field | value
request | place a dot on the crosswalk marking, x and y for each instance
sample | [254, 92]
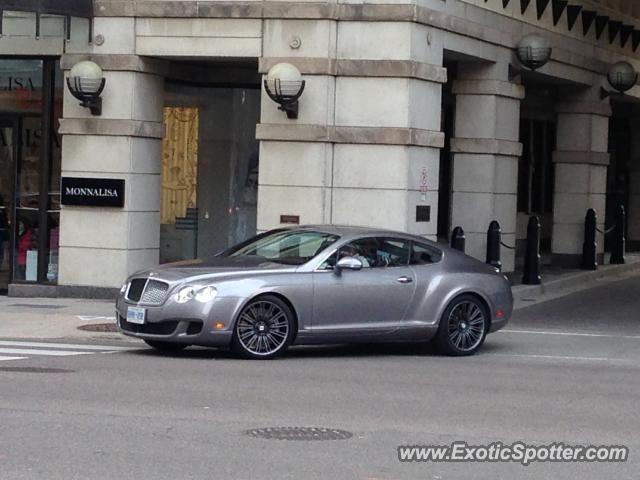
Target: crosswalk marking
[17, 350]
[76, 346]
[49, 353]
[11, 358]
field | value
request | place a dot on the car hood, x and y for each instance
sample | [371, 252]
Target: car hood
[214, 267]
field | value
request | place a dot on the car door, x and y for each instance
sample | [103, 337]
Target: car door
[374, 297]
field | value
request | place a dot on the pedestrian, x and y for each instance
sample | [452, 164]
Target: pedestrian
[26, 242]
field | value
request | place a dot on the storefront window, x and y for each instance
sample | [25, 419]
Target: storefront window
[30, 205]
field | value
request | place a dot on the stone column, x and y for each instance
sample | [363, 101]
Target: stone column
[368, 134]
[99, 247]
[486, 151]
[581, 161]
[633, 209]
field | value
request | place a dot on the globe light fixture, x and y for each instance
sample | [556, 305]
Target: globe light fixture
[86, 82]
[284, 85]
[622, 76]
[533, 51]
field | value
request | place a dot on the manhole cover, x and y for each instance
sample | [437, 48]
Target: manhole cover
[34, 370]
[99, 327]
[299, 433]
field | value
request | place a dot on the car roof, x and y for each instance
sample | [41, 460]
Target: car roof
[347, 231]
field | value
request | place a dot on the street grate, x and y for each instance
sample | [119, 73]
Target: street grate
[299, 433]
[99, 327]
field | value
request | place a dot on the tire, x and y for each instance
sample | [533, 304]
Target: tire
[463, 327]
[264, 328]
[166, 346]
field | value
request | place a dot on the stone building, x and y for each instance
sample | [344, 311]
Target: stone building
[416, 116]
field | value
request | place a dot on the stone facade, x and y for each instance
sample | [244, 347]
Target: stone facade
[370, 119]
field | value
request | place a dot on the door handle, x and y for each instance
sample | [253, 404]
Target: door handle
[405, 280]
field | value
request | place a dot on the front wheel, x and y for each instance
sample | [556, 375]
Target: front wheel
[264, 329]
[463, 326]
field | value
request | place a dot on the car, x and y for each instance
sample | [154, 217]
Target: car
[318, 284]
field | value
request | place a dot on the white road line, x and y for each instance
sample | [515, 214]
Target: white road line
[50, 353]
[571, 334]
[74, 346]
[2, 359]
[552, 357]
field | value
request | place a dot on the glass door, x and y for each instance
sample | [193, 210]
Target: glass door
[8, 154]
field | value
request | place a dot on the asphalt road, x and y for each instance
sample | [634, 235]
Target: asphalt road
[564, 371]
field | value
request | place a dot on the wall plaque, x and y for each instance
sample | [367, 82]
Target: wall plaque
[92, 192]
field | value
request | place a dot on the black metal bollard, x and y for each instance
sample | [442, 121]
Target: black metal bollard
[493, 245]
[458, 239]
[590, 246]
[531, 274]
[618, 241]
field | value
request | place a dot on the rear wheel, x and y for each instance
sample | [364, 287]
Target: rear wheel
[463, 326]
[264, 329]
[166, 346]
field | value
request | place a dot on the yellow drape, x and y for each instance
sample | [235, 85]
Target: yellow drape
[179, 162]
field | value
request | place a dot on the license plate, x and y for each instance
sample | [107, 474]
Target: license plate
[136, 315]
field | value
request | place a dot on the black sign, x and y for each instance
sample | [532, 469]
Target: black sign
[423, 213]
[92, 192]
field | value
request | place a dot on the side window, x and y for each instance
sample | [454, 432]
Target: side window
[422, 254]
[392, 252]
[329, 263]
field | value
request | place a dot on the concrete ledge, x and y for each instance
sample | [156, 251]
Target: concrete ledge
[489, 87]
[486, 146]
[354, 135]
[589, 158]
[123, 63]
[585, 108]
[108, 126]
[361, 68]
[61, 291]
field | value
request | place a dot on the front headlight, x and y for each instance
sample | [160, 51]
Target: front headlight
[185, 294]
[206, 294]
[123, 288]
[201, 294]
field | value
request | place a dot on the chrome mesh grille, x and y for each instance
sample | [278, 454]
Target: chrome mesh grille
[154, 293]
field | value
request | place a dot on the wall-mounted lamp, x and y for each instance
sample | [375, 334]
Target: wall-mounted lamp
[86, 82]
[533, 51]
[621, 76]
[284, 85]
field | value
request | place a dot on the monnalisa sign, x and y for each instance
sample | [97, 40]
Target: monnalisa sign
[92, 192]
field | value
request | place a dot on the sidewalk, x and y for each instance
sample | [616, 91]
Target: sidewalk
[59, 318]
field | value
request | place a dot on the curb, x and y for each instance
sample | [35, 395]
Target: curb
[569, 283]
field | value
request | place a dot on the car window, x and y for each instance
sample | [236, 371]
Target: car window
[290, 246]
[392, 252]
[373, 252]
[422, 254]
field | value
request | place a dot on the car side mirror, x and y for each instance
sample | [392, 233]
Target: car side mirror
[348, 263]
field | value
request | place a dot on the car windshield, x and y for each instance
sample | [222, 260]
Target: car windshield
[292, 247]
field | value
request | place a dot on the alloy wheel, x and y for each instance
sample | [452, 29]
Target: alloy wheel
[466, 326]
[263, 328]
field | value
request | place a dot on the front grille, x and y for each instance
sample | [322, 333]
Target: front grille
[160, 328]
[136, 288]
[155, 292]
[147, 291]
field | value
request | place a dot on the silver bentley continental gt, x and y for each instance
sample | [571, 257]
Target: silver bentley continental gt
[319, 284]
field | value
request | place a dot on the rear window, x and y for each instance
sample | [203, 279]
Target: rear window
[423, 254]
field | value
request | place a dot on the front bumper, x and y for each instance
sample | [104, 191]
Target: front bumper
[191, 323]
